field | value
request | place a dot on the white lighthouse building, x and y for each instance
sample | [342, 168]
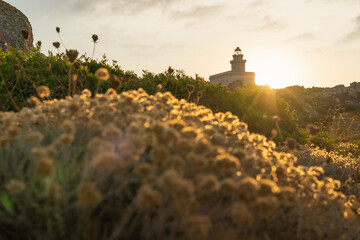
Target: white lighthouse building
[237, 75]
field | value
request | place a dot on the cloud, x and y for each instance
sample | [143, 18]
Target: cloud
[355, 34]
[303, 37]
[258, 3]
[197, 12]
[121, 6]
[268, 23]
[150, 49]
[174, 9]
[344, 1]
[349, 52]
[337, 1]
[315, 51]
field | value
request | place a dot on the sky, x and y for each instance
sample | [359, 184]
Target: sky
[293, 42]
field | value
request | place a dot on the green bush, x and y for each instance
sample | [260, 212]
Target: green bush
[325, 141]
[255, 105]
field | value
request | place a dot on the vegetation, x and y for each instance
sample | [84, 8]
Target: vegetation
[139, 166]
[90, 151]
[294, 107]
[23, 73]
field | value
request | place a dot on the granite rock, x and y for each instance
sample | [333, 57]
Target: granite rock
[15, 28]
[351, 92]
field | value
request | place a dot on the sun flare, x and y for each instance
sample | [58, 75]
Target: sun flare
[276, 71]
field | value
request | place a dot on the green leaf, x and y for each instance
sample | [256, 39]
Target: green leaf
[7, 202]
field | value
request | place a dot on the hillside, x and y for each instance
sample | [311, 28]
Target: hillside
[334, 111]
[90, 151]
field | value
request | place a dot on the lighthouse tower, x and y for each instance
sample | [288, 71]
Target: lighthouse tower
[237, 73]
[238, 62]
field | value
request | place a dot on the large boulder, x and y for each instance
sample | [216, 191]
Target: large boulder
[355, 86]
[353, 91]
[15, 28]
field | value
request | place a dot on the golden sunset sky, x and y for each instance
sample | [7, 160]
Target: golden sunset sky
[285, 42]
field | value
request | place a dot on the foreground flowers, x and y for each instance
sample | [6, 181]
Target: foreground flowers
[135, 166]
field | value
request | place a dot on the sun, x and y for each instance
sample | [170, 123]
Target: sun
[275, 70]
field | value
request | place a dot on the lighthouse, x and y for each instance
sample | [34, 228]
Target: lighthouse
[237, 75]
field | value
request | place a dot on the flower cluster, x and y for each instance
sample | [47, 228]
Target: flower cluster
[136, 166]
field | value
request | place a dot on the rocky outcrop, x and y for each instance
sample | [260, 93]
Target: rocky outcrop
[355, 86]
[351, 92]
[15, 28]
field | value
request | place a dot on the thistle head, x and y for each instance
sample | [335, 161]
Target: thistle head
[115, 82]
[312, 129]
[95, 38]
[127, 77]
[45, 167]
[88, 194]
[102, 74]
[43, 91]
[329, 160]
[72, 55]
[276, 118]
[16, 67]
[170, 70]
[77, 65]
[290, 143]
[190, 88]
[15, 187]
[274, 133]
[56, 45]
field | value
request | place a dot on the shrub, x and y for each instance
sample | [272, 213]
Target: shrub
[255, 105]
[139, 166]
